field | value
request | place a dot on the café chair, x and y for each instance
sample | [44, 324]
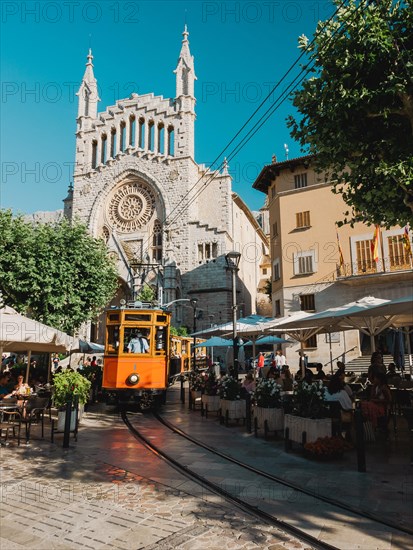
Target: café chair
[9, 422]
[34, 412]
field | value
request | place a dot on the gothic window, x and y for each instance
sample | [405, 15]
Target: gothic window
[94, 153]
[131, 207]
[122, 135]
[171, 141]
[132, 130]
[157, 242]
[113, 142]
[151, 135]
[161, 137]
[103, 153]
[105, 234]
[142, 133]
[86, 97]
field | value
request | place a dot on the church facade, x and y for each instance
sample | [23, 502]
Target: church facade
[167, 220]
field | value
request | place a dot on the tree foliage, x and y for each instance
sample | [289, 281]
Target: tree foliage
[56, 273]
[147, 294]
[357, 108]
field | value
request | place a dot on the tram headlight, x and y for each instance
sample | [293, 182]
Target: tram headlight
[133, 379]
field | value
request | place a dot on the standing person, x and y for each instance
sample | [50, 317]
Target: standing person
[93, 363]
[138, 344]
[280, 360]
[260, 363]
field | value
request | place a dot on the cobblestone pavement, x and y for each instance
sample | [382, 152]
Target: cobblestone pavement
[104, 492]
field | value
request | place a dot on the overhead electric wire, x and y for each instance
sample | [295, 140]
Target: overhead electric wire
[270, 111]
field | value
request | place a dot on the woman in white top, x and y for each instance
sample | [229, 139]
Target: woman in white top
[336, 392]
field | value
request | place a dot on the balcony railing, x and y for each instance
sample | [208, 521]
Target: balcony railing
[367, 267]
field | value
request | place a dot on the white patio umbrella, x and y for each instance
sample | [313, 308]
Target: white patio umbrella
[21, 334]
[369, 315]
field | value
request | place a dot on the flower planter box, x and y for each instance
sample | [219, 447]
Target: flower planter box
[61, 419]
[267, 419]
[210, 403]
[305, 430]
[232, 410]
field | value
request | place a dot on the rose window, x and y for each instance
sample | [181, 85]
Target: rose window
[131, 207]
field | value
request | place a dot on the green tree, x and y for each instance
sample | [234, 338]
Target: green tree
[147, 294]
[357, 108]
[57, 273]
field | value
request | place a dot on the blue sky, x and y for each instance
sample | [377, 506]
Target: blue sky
[241, 51]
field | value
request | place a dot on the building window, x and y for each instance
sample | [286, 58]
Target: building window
[310, 342]
[277, 308]
[207, 252]
[161, 138]
[300, 180]
[275, 229]
[142, 133]
[365, 262]
[276, 270]
[307, 302]
[171, 141]
[103, 153]
[151, 135]
[132, 130]
[264, 271]
[273, 192]
[302, 219]
[397, 252]
[113, 143]
[157, 242]
[94, 153]
[305, 263]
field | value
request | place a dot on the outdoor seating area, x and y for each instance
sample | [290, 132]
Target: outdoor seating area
[309, 418]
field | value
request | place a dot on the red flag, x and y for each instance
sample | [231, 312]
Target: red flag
[375, 244]
[407, 243]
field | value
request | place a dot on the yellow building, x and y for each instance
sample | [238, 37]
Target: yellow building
[308, 271]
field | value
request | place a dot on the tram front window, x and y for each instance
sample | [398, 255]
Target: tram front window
[136, 340]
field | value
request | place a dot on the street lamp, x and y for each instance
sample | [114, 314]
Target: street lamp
[233, 258]
[194, 301]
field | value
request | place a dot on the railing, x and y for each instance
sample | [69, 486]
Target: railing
[366, 267]
[343, 355]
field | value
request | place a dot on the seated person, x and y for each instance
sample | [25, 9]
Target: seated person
[287, 379]
[393, 377]
[4, 386]
[380, 399]
[321, 375]
[249, 383]
[138, 343]
[272, 373]
[336, 392]
[20, 388]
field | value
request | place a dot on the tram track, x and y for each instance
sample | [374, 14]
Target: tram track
[364, 514]
[226, 495]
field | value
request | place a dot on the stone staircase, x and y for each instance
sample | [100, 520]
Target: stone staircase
[361, 364]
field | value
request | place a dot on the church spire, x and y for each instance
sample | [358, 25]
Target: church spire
[88, 92]
[185, 73]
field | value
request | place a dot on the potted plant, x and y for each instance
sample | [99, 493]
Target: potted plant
[196, 386]
[210, 398]
[308, 420]
[232, 407]
[267, 411]
[67, 385]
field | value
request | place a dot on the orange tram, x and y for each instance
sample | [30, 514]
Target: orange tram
[141, 359]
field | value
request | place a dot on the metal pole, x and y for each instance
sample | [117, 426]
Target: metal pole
[234, 322]
[194, 342]
[68, 419]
